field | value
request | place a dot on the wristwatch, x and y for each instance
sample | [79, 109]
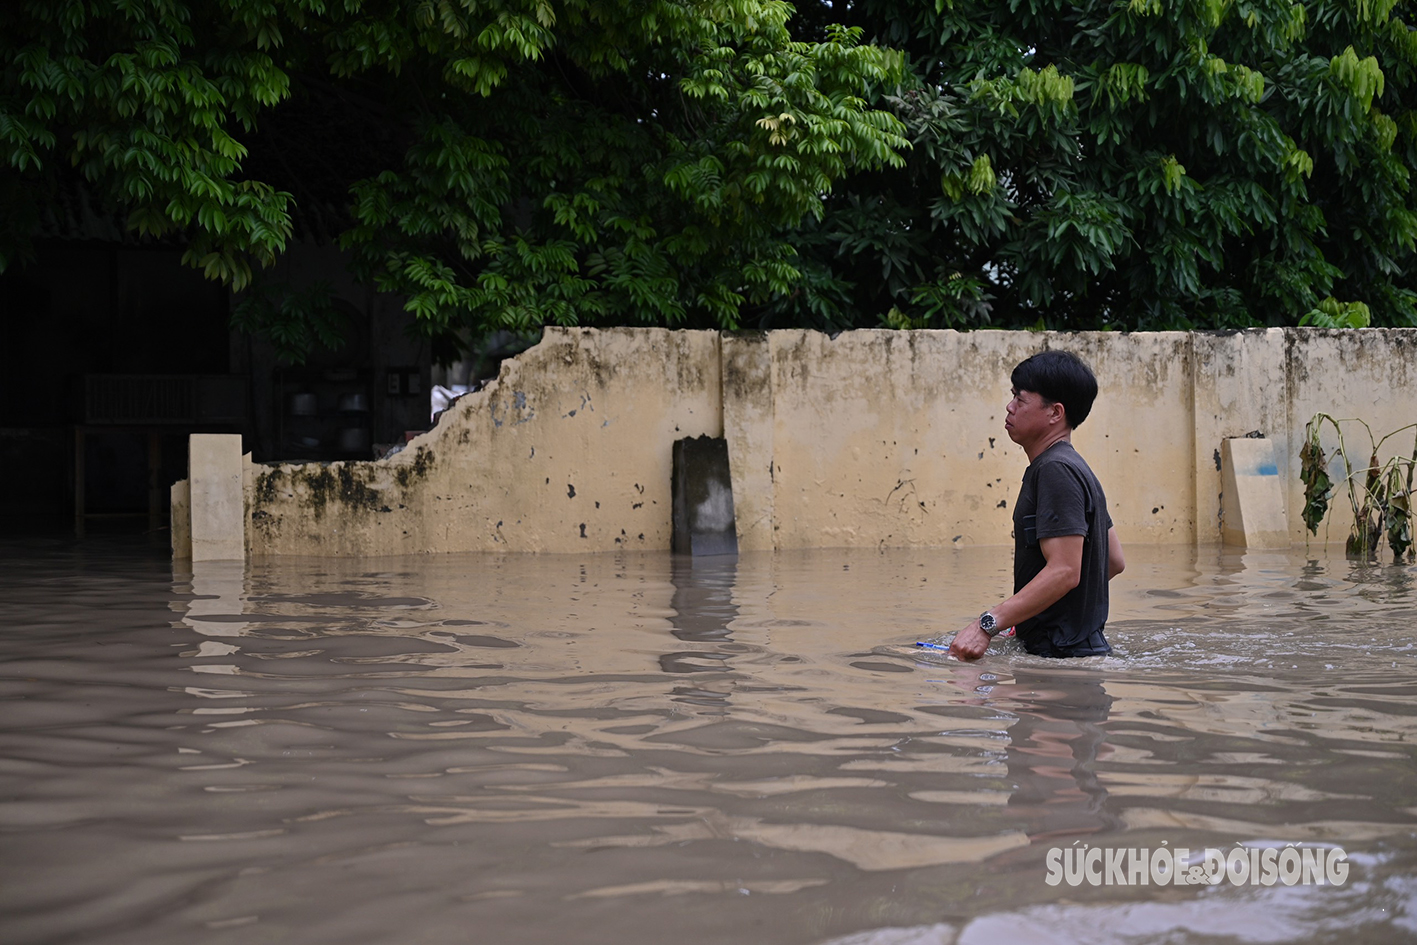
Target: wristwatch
[988, 624]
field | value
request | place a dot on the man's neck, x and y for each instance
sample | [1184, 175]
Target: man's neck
[1036, 450]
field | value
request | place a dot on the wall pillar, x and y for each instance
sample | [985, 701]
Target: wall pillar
[1241, 387]
[217, 503]
[181, 518]
[748, 423]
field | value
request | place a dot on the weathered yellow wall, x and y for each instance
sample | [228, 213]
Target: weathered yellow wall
[568, 450]
[872, 438]
[896, 438]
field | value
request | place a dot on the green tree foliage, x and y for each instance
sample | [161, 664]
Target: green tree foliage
[509, 163]
[146, 102]
[1130, 164]
[505, 163]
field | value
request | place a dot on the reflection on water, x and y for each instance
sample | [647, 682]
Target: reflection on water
[640, 747]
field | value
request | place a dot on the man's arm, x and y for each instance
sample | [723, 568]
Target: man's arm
[1116, 563]
[1061, 574]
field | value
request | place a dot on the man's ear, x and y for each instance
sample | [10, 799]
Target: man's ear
[1058, 412]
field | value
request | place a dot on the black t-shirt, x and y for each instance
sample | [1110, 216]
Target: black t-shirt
[1060, 496]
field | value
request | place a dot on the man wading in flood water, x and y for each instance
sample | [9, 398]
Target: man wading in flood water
[1065, 548]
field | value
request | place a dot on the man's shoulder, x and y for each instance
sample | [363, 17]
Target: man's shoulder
[1062, 453]
[1061, 462]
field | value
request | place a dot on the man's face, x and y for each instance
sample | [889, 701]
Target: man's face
[1028, 416]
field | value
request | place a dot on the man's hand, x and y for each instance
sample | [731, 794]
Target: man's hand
[970, 643]
[1063, 555]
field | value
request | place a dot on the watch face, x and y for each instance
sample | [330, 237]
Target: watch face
[986, 622]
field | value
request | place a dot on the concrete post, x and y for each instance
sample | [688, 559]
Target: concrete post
[748, 427]
[217, 507]
[1252, 504]
[181, 520]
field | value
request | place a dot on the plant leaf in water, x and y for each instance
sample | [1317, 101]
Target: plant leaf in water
[1374, 483]
[1368, 528]
[1399, 514]
[1363, 539]
[1317, 485]
[1383, 504]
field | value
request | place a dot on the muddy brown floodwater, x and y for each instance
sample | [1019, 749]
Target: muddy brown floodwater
[639, 748]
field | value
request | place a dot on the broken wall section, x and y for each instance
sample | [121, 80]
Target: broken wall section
[567, 450]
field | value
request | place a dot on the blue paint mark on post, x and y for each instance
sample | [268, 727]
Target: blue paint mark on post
[1268, 469]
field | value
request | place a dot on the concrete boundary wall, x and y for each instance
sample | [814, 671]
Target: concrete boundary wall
[876, 438]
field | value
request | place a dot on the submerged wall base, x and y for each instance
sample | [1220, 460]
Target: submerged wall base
[879, 438]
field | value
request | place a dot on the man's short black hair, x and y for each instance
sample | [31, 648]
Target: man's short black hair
[1059, 377]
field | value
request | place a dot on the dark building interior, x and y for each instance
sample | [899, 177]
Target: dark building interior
[114, 351]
